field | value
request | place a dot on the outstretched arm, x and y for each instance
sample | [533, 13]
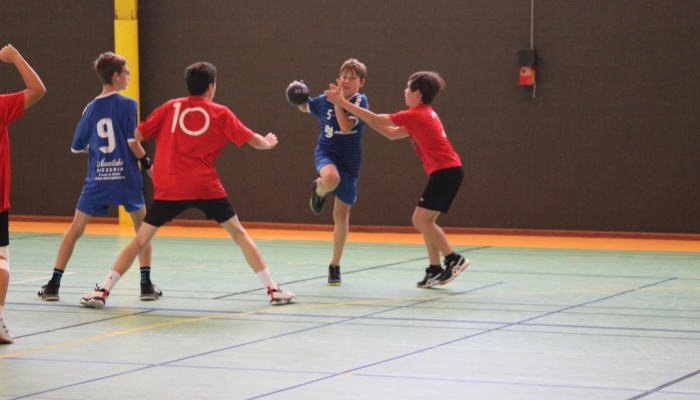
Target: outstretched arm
[391, 132]
[263, 143]
[35, 88]
[366, 115]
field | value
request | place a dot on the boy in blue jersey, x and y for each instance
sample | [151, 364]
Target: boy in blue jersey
[106, 132]
[338, 156]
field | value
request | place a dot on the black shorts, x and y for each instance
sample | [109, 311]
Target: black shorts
[4, 228]
[162, 211]
[442, 189]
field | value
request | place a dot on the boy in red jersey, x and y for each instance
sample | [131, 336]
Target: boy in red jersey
[190, 133]
[440, 162]
[12, 106]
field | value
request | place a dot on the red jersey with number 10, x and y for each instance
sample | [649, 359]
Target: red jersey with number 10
[428, 137]
[190, 133]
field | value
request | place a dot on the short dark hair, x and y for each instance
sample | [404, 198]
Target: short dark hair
[429, 83]
[106, 65]
[198, 77]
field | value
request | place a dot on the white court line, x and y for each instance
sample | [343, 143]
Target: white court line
[39, 278]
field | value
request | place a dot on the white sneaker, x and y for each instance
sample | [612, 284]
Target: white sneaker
[5, 335]
[280, 296]
[96, 298]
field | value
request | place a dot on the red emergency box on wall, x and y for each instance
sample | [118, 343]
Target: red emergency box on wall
[527, 59]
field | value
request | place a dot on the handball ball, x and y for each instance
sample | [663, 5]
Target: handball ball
[297, 93]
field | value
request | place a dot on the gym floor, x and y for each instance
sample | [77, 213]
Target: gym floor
[531, 318]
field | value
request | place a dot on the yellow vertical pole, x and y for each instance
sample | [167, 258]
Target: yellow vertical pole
[126, 44]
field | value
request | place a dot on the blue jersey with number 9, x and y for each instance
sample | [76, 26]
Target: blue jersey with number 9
[106, 127]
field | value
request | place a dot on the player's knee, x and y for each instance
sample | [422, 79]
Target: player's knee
[331, 181]
[141, 244]
[418, 222]
[341, 214]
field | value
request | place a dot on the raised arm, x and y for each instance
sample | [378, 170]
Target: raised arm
[263, 143]
[35, 88]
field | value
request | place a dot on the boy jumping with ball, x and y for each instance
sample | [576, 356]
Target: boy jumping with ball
[338, 155]
[440, 162]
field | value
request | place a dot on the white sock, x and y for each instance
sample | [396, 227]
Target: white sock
[110, 281]
[266, 279]
[2, 308]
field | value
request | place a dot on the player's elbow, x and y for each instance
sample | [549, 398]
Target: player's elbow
[33, 95]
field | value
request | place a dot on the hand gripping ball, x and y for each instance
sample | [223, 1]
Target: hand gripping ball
[297, 93]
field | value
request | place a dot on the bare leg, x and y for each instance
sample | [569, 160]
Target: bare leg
[250, 250]
[435, 238]
[341, 218]
[4, 284]
[328, 180]
[138, 245]
[75, 231]
[137, 217]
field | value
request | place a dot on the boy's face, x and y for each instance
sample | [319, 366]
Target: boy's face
[122, 78]
[412, 98]
[350, 83]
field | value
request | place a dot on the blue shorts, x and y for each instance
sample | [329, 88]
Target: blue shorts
[347, 188]
[91, 208]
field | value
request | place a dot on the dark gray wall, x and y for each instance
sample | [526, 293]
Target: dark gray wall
[608, 143]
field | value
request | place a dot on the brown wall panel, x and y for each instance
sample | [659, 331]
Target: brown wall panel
[609, 142]
[60, 40]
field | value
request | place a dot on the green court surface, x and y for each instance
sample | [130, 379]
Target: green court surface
[519, 323]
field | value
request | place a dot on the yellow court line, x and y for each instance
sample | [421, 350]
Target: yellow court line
[528, 241]
[302, 307]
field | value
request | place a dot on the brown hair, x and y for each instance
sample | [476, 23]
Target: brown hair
[106, 65]
[429, 83]
[356, 66]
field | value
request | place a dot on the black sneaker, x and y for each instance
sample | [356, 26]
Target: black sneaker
[453, 268]
[317, 201]
[334, 275]
[48, 292]
[150, 292]
[432, 277]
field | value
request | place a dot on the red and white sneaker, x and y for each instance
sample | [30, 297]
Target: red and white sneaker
[95, 298]
[5, 335]
[280, 296]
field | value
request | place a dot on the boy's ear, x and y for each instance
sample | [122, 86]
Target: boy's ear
[362, 83]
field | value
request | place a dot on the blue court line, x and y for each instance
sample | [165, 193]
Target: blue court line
[491, 382]
[665, 385]
[369, 317]
[457, 340]
[241, 345]
[383, 376]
